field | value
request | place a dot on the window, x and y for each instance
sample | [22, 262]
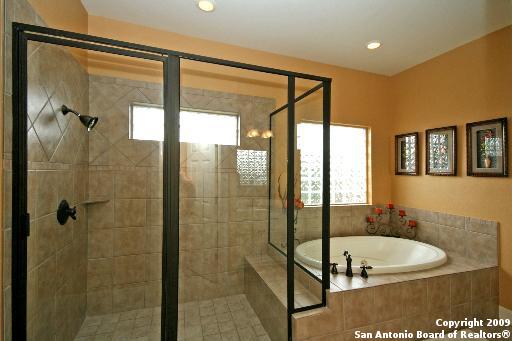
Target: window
[147, 123]
[251, 165]
[348, 164]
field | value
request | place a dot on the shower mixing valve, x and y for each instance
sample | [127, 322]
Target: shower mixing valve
[65, 211]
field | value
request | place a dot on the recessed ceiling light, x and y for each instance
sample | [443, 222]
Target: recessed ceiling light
[372, 45]
[206, 5]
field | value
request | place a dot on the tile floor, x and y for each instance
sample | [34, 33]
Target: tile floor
[228, 318]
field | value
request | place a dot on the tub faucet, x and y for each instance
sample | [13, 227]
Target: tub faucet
[364, 266]
[334, 269]
[348, 272]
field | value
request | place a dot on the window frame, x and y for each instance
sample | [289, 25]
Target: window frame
[194, 110]
[368, 161]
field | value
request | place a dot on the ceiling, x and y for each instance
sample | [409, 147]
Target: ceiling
[329, 31]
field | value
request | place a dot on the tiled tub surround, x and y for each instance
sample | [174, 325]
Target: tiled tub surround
[221, 221]
[470, 275]
[58, 168]
[473, 238]
[410, 305]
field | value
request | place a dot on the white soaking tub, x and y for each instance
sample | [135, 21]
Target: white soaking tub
[385, 254]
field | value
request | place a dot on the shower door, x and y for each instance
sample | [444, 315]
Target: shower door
[88, 187]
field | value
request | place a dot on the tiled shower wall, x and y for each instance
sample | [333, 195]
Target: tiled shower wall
[125, 218]
[58, 168]
[221, 220]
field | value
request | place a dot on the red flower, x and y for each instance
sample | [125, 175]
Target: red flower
[299, 204]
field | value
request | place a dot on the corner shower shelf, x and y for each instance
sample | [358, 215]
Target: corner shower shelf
[98, 200]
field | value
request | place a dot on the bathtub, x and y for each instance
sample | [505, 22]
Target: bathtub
[386, 254]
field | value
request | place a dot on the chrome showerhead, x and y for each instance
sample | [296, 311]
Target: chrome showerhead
[87, 121]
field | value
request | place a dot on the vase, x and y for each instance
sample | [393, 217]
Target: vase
[487, 162]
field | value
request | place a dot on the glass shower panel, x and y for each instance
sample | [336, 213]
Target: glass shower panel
[224, 267]
[96, 274]
[308, 192]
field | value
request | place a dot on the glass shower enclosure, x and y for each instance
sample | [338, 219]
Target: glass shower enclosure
[166, 196]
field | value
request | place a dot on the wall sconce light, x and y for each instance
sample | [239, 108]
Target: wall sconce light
[266, 134]
[253, 133]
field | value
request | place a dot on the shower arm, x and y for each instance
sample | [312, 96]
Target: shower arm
[65, 110]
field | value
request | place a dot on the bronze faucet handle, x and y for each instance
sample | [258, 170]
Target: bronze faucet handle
[334, 269]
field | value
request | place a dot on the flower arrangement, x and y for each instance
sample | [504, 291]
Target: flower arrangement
[298, 204]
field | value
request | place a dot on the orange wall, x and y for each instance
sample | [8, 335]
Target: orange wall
[65, 15]
[358, 98]
[470, 83]
[62, 14]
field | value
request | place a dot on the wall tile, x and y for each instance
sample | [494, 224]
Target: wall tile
[460, 288]
[129, 241]
[428, 232]
[452, 239]
[482, 226]
[481, 284]
[99, 302]
[438, 297]
[128, 298]
[414, 298]
[130, 212]
[452, 220]
[154, 266]
[101, 184]
[99, 273]
[131, 184]
[388, 302]
[129, 269]
[482, 248]
[101, 243]
[101, 215]
[358, 306]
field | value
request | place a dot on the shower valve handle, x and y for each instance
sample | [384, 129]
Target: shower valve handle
[65, 211]
[72, 212]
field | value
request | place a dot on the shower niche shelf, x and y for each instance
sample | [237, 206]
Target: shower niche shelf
[99, 200]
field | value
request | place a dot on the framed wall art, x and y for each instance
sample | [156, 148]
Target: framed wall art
[406, 154]
[441, 151]
[487, 148]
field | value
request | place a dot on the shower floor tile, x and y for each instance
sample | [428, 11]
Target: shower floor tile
[225, 318]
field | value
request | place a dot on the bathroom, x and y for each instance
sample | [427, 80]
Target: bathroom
[122, 221]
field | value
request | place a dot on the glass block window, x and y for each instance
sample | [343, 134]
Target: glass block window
[251, 165]
[349, 171]
[147, 123]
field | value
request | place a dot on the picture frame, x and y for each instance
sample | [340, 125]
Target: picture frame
[487, 152]
[407, 154]
[441, 151]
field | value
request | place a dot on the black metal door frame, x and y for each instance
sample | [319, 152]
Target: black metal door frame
[22, 34]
